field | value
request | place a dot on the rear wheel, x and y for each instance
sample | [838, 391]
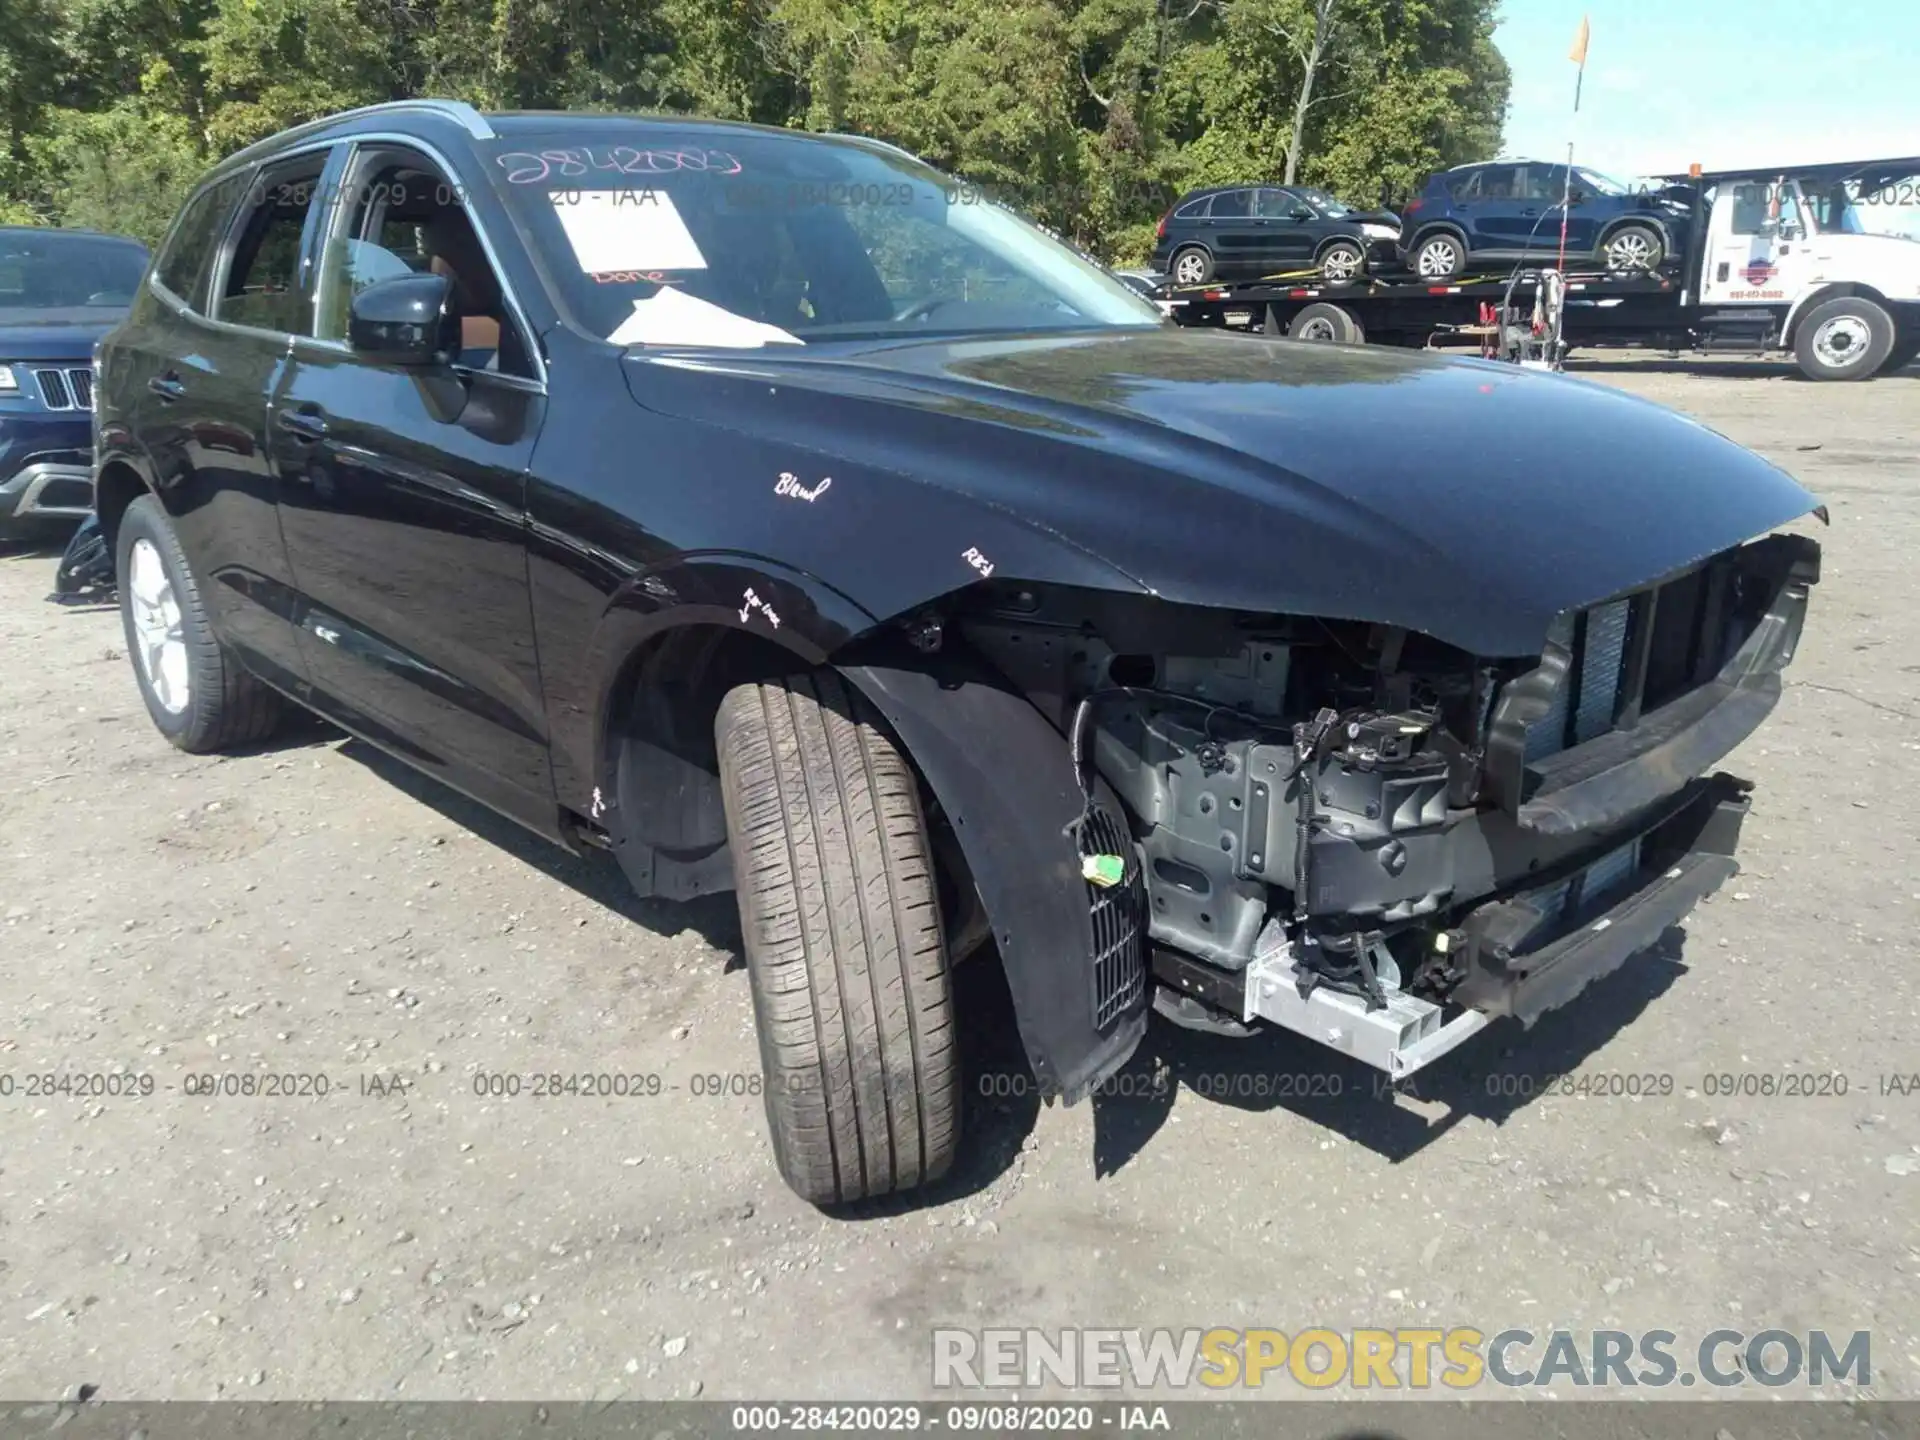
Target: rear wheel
[199, 696]
[1343, 260]
[1191, 265]
[1845, 339]
[1440, 257]
[846, 958]
[1633, 249]
[1328, 324]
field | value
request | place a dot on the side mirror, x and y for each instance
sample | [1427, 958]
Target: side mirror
[1576, 196]
[407, 320]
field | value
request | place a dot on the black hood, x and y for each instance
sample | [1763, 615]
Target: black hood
[1469, 500]
[65, 335]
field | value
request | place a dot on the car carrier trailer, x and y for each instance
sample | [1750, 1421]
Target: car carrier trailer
[1777, 261]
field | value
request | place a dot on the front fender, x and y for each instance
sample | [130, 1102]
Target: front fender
[1002, 774]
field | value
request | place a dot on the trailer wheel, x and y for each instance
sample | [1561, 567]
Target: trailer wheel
[1327, 324]
[1634, 248]
[1191, 265]
[1441, 256]
[1845, 339]
[1343, 260]
[846, 957]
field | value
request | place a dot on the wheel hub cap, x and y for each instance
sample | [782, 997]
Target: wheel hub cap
[1317, 330]
[1188, 271]
[1341, 264]
[1630, 252]
[158, 638]
[1437, 259]
[1842, 341]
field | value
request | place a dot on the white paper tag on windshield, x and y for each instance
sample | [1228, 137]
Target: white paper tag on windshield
[626, 230]
[673, 317]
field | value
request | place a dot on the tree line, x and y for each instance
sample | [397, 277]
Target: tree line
[1090, 114]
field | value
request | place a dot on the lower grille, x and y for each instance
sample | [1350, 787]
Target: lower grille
[1593, 884]
[1589, 697]
[1119, 921]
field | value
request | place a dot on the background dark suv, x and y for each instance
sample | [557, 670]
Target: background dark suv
[1511, 210]
[60, 291]
[1240, 231]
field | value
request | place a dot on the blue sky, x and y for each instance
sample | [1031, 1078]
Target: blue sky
[1729, 83]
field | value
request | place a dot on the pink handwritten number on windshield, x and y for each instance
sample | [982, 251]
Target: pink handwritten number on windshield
[530, 167]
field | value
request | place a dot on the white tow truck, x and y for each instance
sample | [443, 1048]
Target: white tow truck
[1777, 260]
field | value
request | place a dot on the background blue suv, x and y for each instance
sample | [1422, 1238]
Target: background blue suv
[1511, 209]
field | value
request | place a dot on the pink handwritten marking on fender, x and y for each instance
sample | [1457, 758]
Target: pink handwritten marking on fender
[978, 561]
[789, 484]
[752, 602]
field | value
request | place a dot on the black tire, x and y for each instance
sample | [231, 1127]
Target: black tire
[224, 706]
[1199, 267]
[1903, 354]
[1327, 325]
[1430, 261]
[1342, 261]
[1634, 250]
[846, 958]
[1845, 339]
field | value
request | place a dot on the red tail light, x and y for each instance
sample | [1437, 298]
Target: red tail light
[1413, 205]
[1160, 230]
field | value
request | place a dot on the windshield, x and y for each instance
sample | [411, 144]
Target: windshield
[62, 270]
[653, 239]
[1326, 204]
[1600, 184]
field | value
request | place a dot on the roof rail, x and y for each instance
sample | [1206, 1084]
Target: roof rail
[458, 111]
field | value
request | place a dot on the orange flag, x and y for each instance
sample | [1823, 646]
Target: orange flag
[1579, 52]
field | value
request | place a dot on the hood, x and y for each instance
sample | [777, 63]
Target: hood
[1469, 500]
[1373, 217]
[35, 334]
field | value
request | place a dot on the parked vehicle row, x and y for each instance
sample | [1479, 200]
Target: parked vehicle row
[904, 572]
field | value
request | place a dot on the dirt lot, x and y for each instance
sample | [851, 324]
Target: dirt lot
[313, 909]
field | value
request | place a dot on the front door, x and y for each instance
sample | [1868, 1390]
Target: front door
[1294, 232]
[405, 500]
[1745, 244]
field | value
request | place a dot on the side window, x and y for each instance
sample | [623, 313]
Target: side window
[1232, 205]
[403, 215]
[1194, 209]
[264, 287]
[1467, 186]
[1541, 183]
[1749, 208]
[1276, 204]
[190, 246]
[1497, 182]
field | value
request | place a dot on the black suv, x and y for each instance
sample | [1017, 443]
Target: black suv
[759, 507]
[1236, 232]
[60, 291]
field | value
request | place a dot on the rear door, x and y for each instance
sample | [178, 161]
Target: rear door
[1235, 234]
[405, 498]
[201, 374]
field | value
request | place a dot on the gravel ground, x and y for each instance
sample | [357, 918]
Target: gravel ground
[314, 909]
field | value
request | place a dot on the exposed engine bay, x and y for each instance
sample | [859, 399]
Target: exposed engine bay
[1367, 835]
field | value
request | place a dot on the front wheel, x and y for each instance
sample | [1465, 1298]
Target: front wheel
[1635, 249]
[1439, 257]
[1342, 261]
[1845, 339]
[846, 955]
[1327, 324]
[198, 694]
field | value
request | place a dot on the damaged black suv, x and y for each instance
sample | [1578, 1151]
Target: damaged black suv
[771, 511]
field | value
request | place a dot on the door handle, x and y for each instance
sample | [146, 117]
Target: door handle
[168, 386]
[305, 425]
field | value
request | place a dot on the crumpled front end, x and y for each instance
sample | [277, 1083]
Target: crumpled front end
[1380, 840]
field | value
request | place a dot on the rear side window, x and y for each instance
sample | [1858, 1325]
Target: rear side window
[1232, 205]
[265, 286]
[188, 253]
[1467, 186]
[1194, 209]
